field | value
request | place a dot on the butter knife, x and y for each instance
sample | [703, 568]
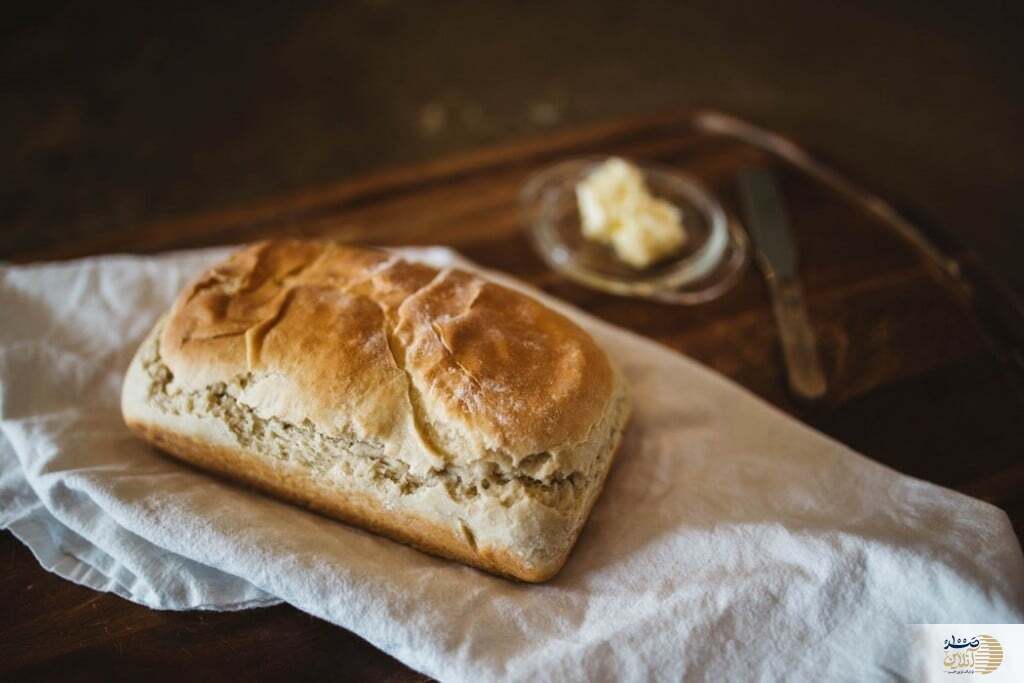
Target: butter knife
[776, 254]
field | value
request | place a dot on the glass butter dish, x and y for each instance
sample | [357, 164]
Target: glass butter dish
[707, 265]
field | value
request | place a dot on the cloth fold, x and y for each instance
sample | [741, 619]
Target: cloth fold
[731, 541]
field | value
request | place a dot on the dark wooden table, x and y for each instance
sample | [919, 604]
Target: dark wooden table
[923, 360]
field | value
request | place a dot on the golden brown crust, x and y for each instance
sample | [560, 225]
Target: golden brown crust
[360, 343]
[365, 511]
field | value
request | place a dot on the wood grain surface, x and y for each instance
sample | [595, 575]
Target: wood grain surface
[923, 369]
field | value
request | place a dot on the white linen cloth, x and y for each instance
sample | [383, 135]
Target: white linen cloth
[731, 542]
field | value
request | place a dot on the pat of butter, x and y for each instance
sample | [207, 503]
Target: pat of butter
[617, 209]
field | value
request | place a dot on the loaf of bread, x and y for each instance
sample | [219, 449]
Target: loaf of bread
[433, 407]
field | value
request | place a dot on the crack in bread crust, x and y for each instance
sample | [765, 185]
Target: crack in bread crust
[348, 457]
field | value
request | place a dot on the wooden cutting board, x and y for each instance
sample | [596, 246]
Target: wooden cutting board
[922, 347]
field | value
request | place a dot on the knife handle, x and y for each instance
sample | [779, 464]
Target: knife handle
[799, 347]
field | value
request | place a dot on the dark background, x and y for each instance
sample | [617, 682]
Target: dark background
[120, 114]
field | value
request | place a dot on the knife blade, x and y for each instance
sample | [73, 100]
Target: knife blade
[768, 224]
